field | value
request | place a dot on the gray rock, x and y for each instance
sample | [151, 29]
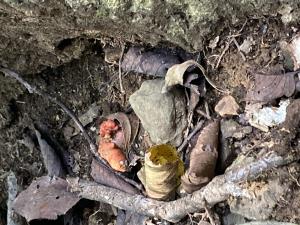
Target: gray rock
[71, 129]
[262, 204]
[162, 115]
[233, 219]
[230, 128]
[267, 223]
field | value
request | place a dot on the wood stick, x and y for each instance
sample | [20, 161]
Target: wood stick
[189, 137]
[218, 190]
[120, 71]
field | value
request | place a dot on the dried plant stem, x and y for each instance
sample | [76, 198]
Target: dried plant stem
[239, 49]
[93, 148]
[120, 71]
[222, 54]
[189, 137]
[218, 190]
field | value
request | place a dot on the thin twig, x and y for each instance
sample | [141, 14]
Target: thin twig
[207, 109]
[223, 53]
[232, 37]
[93, 148]
[294, 178]
[239, 48]
[120, 70]
[186, 141]
[199, 111]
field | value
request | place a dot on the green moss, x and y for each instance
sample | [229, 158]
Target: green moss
[204, 10]
[112, 8]
[141, 5]
[175, 27]
[114, 5]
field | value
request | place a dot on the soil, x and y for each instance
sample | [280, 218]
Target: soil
[91, 79]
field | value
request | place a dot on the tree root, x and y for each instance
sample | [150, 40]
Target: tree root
[218, 190]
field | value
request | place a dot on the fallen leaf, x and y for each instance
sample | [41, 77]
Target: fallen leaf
[292, 120]
[203, 159]
[175, 75]
[135, 126]
[104, 176]
[155, 62]
[124, 123]
[294, 51]
[161, 172]
[45, 198]
[197, 89]
[163, 116]
[227, 106]
[270, 87]
[52, 161]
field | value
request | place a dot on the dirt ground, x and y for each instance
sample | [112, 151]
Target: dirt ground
[90, 79]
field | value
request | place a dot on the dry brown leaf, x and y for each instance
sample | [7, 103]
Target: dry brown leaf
[45, 198]
[104, 176]
[155, 62]
[175, 75]
[294, 50]
[270, 87]
[203, 159]
[135, 126]
[227, 106]
[51, 160]
[125, 126]
[292, 121]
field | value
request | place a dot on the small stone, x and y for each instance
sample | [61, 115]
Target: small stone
[230, 128]
[263, 202]
[71, 129]
[246, 47]
[227, 106]
[233, 219]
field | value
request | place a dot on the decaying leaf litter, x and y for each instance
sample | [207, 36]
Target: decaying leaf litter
[186, 127]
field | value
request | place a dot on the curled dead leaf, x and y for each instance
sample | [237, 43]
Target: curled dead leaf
[292, 120]
[103, 175]
[175, 75]
[270, 87]
[155, 62]
[124, 123]
[203, 159]
[294, 51]
[52, 161]
[227, 106]
[45, 198]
